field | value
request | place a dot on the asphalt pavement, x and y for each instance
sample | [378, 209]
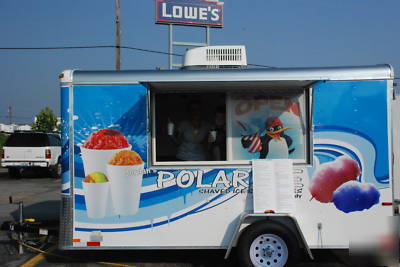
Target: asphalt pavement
[41, 197]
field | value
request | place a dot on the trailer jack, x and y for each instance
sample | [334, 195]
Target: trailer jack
[27, 230]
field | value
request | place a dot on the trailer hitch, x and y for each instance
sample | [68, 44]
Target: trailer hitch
[23, 226]
[21, 220]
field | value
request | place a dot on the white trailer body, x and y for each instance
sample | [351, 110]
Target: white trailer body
[341, 144]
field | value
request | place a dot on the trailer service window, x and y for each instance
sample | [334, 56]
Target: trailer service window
[204, 127]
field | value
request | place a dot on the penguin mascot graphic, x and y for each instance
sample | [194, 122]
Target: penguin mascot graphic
[273, 145]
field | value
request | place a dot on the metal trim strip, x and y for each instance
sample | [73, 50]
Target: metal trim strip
[144, 248]
[375, 72]
[71, 155]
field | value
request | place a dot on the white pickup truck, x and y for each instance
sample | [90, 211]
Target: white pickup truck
[32, 150]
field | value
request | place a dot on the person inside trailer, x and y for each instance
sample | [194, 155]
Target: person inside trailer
[218, 142]
[192, 135]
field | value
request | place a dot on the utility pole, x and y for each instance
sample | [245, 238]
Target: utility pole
[9, 115]
[118, 36]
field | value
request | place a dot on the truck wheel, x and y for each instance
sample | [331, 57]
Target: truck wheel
[14, 172]
[267, 244]
[55, 171]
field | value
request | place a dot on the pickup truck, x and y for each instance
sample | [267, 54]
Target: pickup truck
[24, 150]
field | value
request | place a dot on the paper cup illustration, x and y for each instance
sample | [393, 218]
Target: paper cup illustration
[125, 171]
[99, 148]
[110, 208]
[97, 190]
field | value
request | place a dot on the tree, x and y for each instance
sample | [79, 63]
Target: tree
[46, 121]
[3, 139]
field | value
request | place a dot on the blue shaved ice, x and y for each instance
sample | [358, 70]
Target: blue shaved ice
[355, 196]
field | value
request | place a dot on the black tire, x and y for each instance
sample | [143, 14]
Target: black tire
[14, 172]
[266, 232]
[55, 171]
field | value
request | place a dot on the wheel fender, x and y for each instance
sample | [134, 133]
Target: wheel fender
[285, 221]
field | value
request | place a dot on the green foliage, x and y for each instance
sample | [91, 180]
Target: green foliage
[3, 139]
[46, 121]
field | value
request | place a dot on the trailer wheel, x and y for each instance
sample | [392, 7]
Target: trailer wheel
[267, 244]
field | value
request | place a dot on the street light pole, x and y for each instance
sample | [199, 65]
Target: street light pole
[9, 115]
[118, 35]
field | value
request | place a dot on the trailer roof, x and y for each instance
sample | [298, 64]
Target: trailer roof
[281, 77]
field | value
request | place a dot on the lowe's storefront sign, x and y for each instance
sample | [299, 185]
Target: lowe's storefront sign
[190, 12]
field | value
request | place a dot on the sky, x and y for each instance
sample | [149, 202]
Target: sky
[280, 33]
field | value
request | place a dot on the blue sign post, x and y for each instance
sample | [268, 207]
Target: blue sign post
[190, 12]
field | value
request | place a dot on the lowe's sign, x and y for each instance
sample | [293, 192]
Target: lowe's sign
[190, 12]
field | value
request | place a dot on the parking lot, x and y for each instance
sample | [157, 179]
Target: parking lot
[40, 195]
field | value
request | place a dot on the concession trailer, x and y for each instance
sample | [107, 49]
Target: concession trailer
[326, 132]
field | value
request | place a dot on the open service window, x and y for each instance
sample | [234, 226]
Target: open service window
[229, 124]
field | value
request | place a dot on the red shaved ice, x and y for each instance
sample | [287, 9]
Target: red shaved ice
[106, 139]
[329, 176]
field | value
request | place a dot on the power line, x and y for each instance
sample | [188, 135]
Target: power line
[88, 47]
[151, 51]
[108, 46]
[57, 47]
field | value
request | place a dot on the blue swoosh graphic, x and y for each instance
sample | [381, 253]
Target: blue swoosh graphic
[349, 151]
[384, 179]
[149, 225]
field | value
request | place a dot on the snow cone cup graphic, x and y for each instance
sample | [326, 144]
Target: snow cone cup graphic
[97, 191]
[99, 147]
[96, 159]
[125, 171]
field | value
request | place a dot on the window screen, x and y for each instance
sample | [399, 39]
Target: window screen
[194, 117]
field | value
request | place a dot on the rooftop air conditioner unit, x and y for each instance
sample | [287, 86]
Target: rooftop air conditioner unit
[216, 57]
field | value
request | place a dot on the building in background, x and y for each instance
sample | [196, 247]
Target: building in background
[10, 128]
[24, 127]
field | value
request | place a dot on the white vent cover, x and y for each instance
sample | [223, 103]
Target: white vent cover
[227, 56]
